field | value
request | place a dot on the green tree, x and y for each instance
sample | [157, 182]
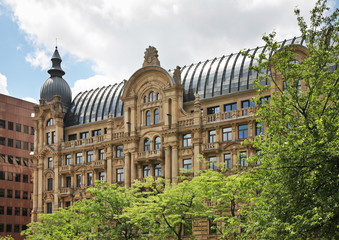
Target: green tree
[298, 177]
[165, 210]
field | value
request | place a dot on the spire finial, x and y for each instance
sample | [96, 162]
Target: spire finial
[56, 70]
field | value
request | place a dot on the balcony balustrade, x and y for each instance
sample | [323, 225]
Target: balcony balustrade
[210, 147]
[152, 154]
[66, 168]
[66, 191]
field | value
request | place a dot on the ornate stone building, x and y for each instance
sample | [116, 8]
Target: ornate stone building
[156, 123]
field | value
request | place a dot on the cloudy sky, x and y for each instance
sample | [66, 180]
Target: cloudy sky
[103, 41]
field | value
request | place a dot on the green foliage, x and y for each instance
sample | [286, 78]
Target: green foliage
[6, 237]
[300, 153]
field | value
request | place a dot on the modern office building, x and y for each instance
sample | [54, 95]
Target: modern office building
[16, 143]
[155, 124]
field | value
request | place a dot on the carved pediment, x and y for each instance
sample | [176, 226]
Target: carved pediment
[151, 57]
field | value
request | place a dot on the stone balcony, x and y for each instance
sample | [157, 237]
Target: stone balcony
[210, 147]
[67, 191]
[149, 155]
[99, 164]
[83, 142]
[66, 168]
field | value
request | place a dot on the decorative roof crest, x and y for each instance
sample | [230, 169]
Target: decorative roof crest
[177, 75]
[151, 57]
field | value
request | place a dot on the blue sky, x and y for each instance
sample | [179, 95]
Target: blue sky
[102, 42]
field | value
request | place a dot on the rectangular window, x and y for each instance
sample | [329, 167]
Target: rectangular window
[78, 159]
[17, 211]
[78, 180]
[187, 164]
[32, 146]
[227, 134]
[101, 154]
[9, 227]
[119, 151]
[9, 211]
[24, 211]
[32, 130]
[96, 132]
[49, 207]
[102, 176]
[26, 129]
[212, 136]
[9, 193]
[265, 100]
[25, 161]
[25, 145]
[18, 127]
[25, 178]
[17, 194]
[247, 104]
[213, 110]
[68, 159]
[120, 175]
[2, 192]
[212, 226]
[18, 160]
[2, 227]
[10, 159]
[18, 144]
[18, 177]
[227, 160]
[230, 107]
[24, 195]
[10, 176]
[2, 175]
[16, 228]
[49, 184]
[259, 129]
[243, 157]
[157, 170]
[84, 135]
[50, 162]
[187, 142]
[10, 125]
[2, 123]
[68, 181]
[89, 156]
[48, 138]
[72, 137]
[2, 141]
[2, 158]
[10, 142]
[89, 179]
[53, 137]
[2, 210]
[67, 204]
[243, 131]
[146, 171]
[213, 162]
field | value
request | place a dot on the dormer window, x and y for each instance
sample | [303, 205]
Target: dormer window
[50, 122]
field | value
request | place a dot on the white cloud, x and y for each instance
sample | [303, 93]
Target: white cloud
[29, 99]
[38, 59]
[3, 85]
[94, 82]
[114, 34]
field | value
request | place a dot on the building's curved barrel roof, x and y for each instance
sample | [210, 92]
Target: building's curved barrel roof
[211, 78]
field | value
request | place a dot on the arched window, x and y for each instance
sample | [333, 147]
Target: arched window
[50, 122]
[151, 96]
[158, 96]
[147, 144]
[148, 118]
[145, 99]
[156, 116]
[157, 143]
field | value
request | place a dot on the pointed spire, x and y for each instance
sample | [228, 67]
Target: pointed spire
[56, 70]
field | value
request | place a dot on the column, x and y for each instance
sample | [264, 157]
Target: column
[39, 180]
[35, 195]
[167, 162]
[133, 168]
[196, 158]
[127, 170]
[174, 164]
[56, 181]
[109, 156]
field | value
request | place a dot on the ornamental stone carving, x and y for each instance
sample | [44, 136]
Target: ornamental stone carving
[151, 57]
[177, 75]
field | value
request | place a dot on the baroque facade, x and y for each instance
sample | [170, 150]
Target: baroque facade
[155, 124]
